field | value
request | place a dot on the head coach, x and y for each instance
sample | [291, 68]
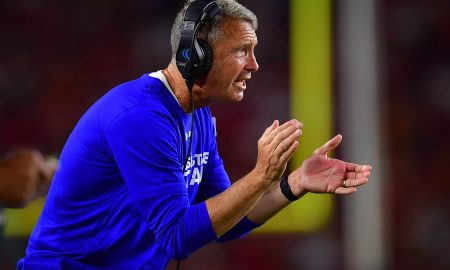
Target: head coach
[141, 181]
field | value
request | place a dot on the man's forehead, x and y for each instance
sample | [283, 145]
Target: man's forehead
[232, 27]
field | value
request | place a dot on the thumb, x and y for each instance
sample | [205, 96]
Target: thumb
[48, 168]
[47, 171]
[329, 145]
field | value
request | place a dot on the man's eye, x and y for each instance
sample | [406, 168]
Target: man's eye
[241, 52]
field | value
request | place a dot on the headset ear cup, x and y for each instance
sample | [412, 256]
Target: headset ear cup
[182, 57]
[205, 65]
[202, 59]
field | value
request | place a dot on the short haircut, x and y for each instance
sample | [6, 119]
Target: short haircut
[210, 31]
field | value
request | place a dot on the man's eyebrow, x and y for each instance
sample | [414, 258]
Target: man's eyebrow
[248, 43]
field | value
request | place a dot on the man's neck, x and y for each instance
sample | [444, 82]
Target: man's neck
[178, 85]
[179, 88]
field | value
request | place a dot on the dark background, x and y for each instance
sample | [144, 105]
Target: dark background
[58, 57]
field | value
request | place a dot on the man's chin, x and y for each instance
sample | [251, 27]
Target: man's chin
[238, 96]
[235, 96]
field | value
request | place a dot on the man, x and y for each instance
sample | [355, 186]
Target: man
[140, 179]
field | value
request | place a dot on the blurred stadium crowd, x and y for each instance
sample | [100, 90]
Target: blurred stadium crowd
[57, 58]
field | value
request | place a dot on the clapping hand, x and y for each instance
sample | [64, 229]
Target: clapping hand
[321, 174]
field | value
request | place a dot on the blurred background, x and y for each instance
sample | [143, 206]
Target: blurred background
[378, 72]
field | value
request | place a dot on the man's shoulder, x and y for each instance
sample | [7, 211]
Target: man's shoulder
[144, 93]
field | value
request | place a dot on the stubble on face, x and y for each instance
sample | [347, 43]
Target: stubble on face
[233, 61]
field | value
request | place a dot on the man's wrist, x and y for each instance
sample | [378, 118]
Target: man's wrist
[287, 190]
[260, 179]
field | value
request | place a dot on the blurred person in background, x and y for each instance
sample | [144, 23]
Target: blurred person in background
[141, 180]
[24, 176]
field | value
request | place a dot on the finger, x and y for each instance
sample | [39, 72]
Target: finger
[275, 124]
[345, 191]
[35, 162]
[358, 168]
[351, 175]
[43, 187]
[355, 182]
[328, 146]
[284, 131]
[284, 145]
[285, 138]
[287, 155]
[48, 168]
[293, 122]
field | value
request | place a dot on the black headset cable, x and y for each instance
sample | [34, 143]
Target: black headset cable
[190, 85]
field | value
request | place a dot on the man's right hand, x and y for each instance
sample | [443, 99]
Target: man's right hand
[276, 147]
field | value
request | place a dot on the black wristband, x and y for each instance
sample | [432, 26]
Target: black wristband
[286, 190]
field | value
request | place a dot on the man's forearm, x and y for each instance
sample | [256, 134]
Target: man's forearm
[270, 204]
[275, 148]
[229, 207]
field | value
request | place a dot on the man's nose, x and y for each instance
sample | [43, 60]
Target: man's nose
[252, 64]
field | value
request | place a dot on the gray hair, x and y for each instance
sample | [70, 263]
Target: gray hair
[210, 31]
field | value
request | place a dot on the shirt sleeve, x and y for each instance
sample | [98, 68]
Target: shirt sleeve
[215, 181]
[241, 229]
[146, 146]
